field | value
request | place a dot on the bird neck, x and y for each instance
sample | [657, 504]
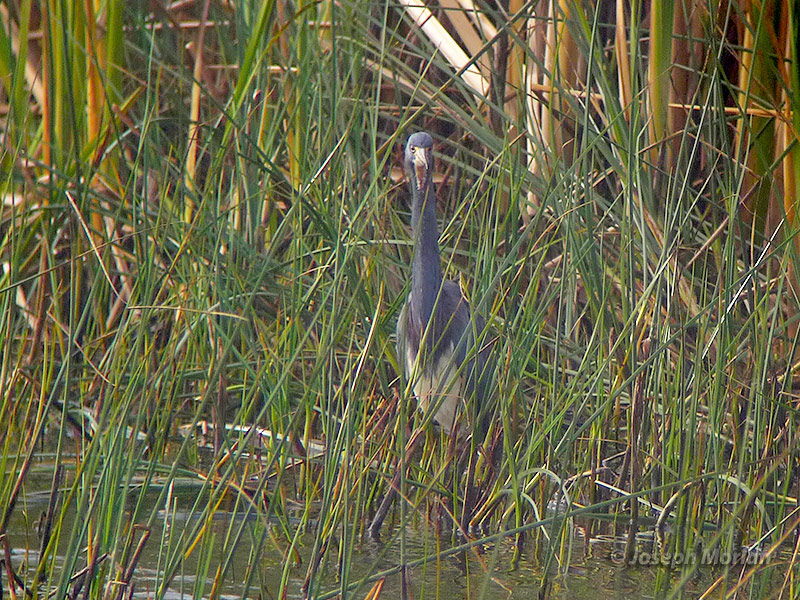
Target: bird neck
[426, 270]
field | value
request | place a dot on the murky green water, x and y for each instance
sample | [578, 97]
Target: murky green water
[484, 572]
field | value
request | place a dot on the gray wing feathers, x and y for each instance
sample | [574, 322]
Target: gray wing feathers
[459, 329]
[467, 328]
[401, 337]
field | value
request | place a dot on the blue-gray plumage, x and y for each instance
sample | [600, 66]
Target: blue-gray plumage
[436, 330]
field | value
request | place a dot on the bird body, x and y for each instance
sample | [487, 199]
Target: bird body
[436, 329]
[439, 338]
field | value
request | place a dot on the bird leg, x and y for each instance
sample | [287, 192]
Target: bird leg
[468, 506]
[459, 453]
[374, 529]
[476, 495]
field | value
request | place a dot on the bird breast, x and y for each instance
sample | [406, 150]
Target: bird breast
[438, 387]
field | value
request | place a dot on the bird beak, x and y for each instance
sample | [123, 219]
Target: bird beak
[420, 165]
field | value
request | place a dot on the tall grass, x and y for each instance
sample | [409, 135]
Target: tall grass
[204, 222]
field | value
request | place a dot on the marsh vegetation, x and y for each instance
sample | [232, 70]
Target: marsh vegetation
[205, 244]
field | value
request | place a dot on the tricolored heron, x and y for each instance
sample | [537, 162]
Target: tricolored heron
[440, 341]
[436, 330]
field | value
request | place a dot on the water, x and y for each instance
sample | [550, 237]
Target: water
[481, 573]
[433, 571]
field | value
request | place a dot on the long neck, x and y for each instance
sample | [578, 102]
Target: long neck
[426, 270]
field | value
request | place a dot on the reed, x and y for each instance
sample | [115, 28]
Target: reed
[205, 244]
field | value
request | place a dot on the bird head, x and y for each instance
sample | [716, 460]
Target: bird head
[419, 158]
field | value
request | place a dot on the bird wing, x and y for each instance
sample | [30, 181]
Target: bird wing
[456, 329]
[401, 343]
[461, 330]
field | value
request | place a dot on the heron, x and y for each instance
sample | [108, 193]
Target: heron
[441, 342]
